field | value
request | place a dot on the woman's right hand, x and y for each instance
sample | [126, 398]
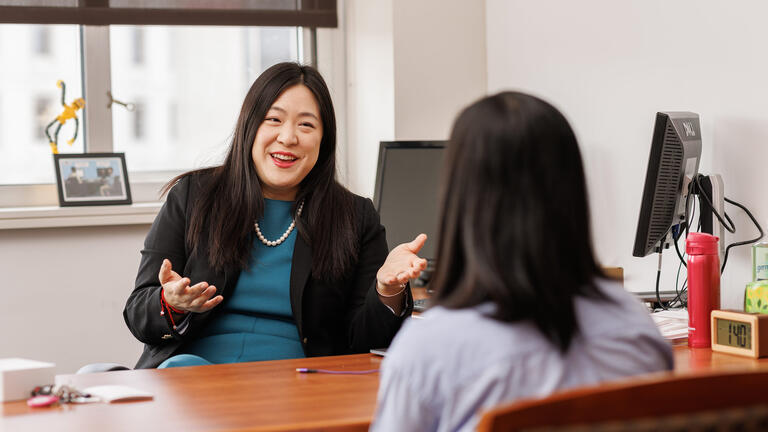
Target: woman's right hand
[180, 295]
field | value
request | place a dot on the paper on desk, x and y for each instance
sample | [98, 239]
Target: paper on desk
[117, 393]
[672, 323]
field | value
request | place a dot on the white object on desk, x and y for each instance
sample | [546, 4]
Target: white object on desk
[117, 393]
[672, 323]
[18, 377]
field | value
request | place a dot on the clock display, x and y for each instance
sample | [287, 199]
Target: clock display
[736, 334]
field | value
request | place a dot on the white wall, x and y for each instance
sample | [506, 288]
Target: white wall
[63, 294]
[610, 66]
[332, 64]
[411, 66]
[439, 64]
[370, 88]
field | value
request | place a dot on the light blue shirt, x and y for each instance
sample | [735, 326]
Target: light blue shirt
[440, 371]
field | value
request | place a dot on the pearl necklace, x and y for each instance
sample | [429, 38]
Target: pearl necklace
[285, 234]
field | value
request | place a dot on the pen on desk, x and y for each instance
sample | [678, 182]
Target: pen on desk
[361, 372]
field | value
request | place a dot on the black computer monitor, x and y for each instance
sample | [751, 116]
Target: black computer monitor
[673, 163]
[407, 185]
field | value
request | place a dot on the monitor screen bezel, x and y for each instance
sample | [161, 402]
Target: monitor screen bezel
[386, 145]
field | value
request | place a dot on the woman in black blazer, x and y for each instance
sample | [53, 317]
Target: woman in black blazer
[322, 283]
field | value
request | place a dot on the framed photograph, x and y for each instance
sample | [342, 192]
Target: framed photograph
[88, 179]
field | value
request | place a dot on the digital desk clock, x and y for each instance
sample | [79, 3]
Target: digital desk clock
[740, 333]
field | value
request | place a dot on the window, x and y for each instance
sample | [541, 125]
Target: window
[31, 99]
[181, 68]
[184, 67]
[189, 89]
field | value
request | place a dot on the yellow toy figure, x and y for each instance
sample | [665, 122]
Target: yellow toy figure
[68, 113]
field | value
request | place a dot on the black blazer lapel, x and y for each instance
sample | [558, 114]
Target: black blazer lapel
[300, 269]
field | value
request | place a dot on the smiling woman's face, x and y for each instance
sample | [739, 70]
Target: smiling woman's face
[287, 143]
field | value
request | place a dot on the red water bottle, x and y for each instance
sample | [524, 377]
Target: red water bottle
[703, 286]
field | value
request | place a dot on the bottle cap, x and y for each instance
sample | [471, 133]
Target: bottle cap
[701, 244]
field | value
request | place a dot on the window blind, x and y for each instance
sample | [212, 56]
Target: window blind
[304, 13]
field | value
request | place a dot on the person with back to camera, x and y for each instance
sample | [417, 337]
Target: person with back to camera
[521, 308]
[267, 256]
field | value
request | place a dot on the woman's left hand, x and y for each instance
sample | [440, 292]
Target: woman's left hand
[401, 265]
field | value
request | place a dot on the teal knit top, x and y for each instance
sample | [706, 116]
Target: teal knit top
[256, 322]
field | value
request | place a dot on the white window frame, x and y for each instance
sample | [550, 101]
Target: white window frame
[22, 206]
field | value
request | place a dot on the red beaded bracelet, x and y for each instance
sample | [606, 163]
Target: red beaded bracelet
[164, 305]
[162, 294]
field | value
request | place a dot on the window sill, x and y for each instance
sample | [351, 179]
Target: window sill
[57, 217]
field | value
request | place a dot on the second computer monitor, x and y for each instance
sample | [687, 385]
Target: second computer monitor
[407, 186]
[672, 165]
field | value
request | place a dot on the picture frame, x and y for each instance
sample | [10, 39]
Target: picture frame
[92, 179]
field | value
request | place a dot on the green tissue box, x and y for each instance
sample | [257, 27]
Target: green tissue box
[756, 297]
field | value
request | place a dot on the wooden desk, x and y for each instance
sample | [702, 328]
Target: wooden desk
[257, 396]
[698, 360]
[419, 293]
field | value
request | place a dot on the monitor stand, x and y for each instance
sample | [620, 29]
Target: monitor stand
[712, 187]
[425, 276]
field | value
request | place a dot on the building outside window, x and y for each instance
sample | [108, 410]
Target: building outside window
[275, 45]
[31, 99]
[205, 72]
[42, 40]
[44, 114]
[137, 45]
[139, 118]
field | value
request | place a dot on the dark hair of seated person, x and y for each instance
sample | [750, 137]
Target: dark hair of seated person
[223, 216]
[515, 218]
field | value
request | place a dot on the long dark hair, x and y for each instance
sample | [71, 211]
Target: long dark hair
[515, 219]
[231, 198]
